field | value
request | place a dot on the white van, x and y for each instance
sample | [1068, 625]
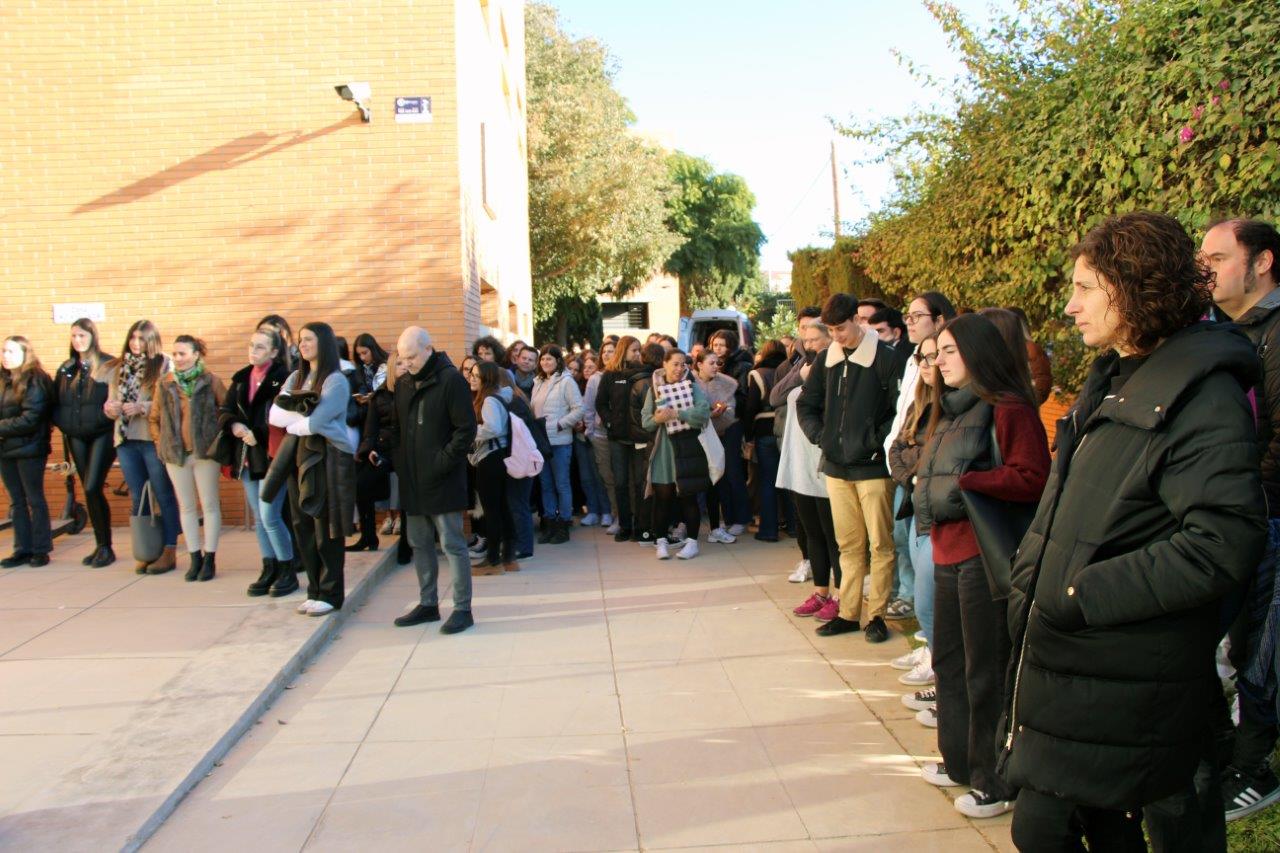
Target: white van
[699, 328]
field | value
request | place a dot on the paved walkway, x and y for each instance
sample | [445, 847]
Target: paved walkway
[604, 701]
[113, 685]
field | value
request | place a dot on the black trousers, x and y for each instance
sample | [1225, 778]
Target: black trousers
[667, 504]
[630, 466]
[798, 529]
[1193, 820]
[93, 458]
[492, 485]
[1044, 824]
[817, 534]
[323, 557]
[24, 481]
[971, 649]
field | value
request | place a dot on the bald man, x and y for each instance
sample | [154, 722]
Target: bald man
[437, 430]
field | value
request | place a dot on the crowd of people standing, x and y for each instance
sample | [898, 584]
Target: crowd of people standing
[1070, 604]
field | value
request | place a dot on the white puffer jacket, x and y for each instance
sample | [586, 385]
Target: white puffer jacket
[558, 402]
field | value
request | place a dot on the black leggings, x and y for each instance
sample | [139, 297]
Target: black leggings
[492, 484]
[93, 458]
[666, 503]
[819, 532]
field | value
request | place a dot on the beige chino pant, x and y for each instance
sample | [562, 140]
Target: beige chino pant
[863, 514]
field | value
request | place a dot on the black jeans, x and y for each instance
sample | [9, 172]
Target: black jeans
[817, 527]
[1192, 821]
[24, 481]
[323, 557]
[971, 649]
[1044, 824]
[795, 523]
[666, 504]
[93, 458]
[629, 464]
[492, 485]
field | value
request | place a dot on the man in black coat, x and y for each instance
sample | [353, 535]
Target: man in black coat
[1153, 512]
[437, 431]
[1244, 255]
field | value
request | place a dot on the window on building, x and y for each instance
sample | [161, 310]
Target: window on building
[513, 318]
[484, 172]
[490, 311]
[623, 316]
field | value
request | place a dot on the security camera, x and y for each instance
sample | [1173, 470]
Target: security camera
[361, 94]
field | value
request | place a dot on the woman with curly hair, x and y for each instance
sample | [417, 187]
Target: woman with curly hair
[1153, 512]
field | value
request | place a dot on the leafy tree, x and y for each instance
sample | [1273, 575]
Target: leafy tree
[816, 273]
[711, 212]
[1069, 112]
[597, 190]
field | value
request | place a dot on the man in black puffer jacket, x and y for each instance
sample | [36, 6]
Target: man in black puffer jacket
[1153, 512]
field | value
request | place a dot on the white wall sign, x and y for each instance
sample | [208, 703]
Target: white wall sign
[66, 313]
[413, 110]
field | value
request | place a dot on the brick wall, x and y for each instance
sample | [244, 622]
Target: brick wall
[188, 161]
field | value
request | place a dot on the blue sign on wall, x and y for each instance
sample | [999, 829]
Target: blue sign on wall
[413, 110]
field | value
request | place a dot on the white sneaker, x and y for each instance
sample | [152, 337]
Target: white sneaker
[678, 532]
[589, 520]
[478, 557]
[480, 547]
[613, 528]
[920, 676]
[389, 526]
[921, 700]
[927, 718]
[689, 551]
[737, 529]
[803, 572]
[660, 547]
[606, 520]
[305, 606]
[976, 804]
[395, 531]
[319, 608]
[720, 536]
[908, 662]
[935, 773]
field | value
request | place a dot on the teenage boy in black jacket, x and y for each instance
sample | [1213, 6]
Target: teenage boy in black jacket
[847, 407]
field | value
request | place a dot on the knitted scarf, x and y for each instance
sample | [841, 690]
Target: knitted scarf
[186, 379]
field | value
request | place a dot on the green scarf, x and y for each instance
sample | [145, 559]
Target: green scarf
[186, 379]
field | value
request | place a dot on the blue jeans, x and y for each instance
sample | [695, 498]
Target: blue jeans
[922, 561]
[901, 536]
[589, 476]
[767, 459]
[268, 521]
[140, 464]
[557, 491]
[732, 487]
[521, 513]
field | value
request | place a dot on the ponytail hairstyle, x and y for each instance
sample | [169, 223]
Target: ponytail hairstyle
[196, 344]
[490, 383]
[326, 356]
[152, 348]
[94, 357]
[29, 371]
[276, 342]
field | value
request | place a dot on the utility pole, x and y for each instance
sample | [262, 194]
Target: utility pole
[835, 188]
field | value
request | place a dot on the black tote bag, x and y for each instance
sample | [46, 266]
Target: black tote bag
[999, 527]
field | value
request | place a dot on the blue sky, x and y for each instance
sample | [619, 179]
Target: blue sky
[749, 86]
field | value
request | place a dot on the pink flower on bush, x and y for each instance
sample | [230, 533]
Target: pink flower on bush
[1215, 100]
[1197, 112]
[1224, 85]
[1186, 134]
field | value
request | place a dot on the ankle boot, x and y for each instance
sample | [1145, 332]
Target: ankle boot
[286, 579]
[197, 561]
[167, 562]
[207, 568]
[270, 568]
[560, 531]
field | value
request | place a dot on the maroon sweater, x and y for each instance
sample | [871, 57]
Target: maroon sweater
[1025, 449]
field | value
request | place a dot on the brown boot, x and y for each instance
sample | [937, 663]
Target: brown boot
[140, 568]
[487, 569]
[511, 566]
[168, 560]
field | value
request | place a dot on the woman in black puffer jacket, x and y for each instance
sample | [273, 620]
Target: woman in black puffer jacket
[613, 407]
[26, 399]
[81, 394]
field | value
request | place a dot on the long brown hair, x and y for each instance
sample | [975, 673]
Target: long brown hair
[95, 357]
[1010, 327]
[619, 360]
[30, 370]
[490, 383]
[993, 371]
[923, 394]
[152, 348]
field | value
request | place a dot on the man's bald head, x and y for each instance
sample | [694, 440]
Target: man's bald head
[414, 347]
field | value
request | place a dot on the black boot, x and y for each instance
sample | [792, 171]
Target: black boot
[208, 568]
[270, 568]
[197, 560]
[559, 531]
[286, 579]
[103, 557]
[548, 528]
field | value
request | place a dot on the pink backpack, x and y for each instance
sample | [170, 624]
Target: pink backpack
[523, 459]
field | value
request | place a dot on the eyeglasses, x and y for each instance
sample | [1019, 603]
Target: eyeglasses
[926, 360]
[917, 316]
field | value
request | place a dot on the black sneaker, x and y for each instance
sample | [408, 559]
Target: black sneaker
[837, 626]
[419, 614]
[623, 535]
[1244, 793]
[877, 631]
[459, 620]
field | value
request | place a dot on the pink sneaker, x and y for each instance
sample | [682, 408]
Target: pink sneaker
[813, 604]
[829, 611]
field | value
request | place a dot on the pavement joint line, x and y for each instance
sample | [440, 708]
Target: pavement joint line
[310, 649]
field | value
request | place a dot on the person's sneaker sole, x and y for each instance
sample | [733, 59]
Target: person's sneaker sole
[942, 780]
[968, 807]
[1256, 803]
[912, 680]
[928, 719]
